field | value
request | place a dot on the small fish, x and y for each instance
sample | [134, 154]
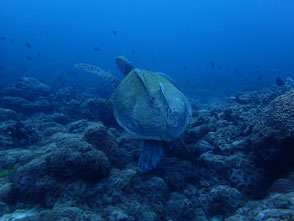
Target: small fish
[185, 67]
[97, 49]
[114, 32]
[28, 45]
[212, 64]
[236, 70]
[39, 54]
[66, 56]
[12, 40]
[29, 58]
[2, 38]
[279, 81]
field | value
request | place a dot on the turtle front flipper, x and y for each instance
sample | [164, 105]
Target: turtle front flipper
[114, 81]
[151, 155]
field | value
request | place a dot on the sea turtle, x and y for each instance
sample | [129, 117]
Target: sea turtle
[148, 105]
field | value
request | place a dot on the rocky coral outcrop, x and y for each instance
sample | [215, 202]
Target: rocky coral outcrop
[278, 205]
[16, 134]
[28, 88]
[62, 159]
[74, 158]
[7, 114]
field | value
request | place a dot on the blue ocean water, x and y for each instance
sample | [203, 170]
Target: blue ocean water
[206, 46]
[203, 130]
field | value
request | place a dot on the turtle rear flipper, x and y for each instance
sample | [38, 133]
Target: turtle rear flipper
[150, 155]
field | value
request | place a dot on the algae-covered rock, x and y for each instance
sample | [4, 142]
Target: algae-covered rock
[95, 134]
[28, 88]
[224, 199]
[77, 159]
[277, 115]
[7, 114]
[154, 189]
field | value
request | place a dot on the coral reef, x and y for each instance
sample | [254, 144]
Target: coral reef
[63, 157]
[277, 115]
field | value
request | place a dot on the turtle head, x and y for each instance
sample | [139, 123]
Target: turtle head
[124, 65]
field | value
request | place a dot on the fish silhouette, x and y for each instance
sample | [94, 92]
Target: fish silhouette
[97, 49]
[28, 45]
